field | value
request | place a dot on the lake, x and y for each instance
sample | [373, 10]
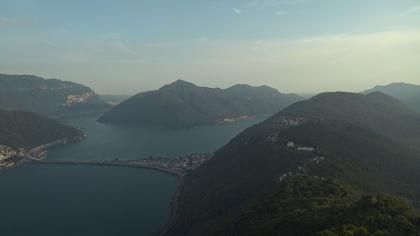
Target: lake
[95, 200]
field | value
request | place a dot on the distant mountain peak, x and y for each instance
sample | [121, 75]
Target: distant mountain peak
[335, 94]
[379, 94]
[395, 84]
[241, 86]
[245, 86]
[407, 93]
[338, 99]
[181, 82]
[350, 96]
[183, 103]
[249, 86]
[177, 84]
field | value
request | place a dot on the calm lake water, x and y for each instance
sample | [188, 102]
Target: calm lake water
[94, 200]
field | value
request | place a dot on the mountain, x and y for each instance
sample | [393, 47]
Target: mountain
[306, 205]
[368, 141]
[50, 97]
[22, 129]
[185, 104]
[376, 111]
[409, 94]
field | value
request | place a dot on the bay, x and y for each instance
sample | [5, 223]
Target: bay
[95, 200]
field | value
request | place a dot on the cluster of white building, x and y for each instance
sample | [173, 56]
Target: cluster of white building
[231, 120]
[78, 98]
[7, 152]
[292, 145]
[44, 87]
[288, 121]
[179, 165]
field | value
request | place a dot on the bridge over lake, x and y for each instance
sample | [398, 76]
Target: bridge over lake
[176, 166]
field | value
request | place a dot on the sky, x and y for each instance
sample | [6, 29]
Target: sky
[295, 46]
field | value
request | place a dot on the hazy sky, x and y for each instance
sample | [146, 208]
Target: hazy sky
[124, 47]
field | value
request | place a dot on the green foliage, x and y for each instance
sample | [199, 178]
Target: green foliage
[323, 207]
[366, 141]
[45, 96]
[184, 104]
[27, 129]
[409, 94]
[375, 112]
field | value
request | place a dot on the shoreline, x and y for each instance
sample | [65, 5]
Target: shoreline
[173, 166]
[178, 167]
[40, 151]
[38, 155]
[173, 209]
[179, 175]
[233, 120]
[21, 155]
[105, 163]
[222, 121]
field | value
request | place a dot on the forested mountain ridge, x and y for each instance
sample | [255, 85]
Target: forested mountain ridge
[376, 111]
[407, 93]
[307, 205]
[23, 129]
[182, 104]
[51, 97]
[364, 140]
